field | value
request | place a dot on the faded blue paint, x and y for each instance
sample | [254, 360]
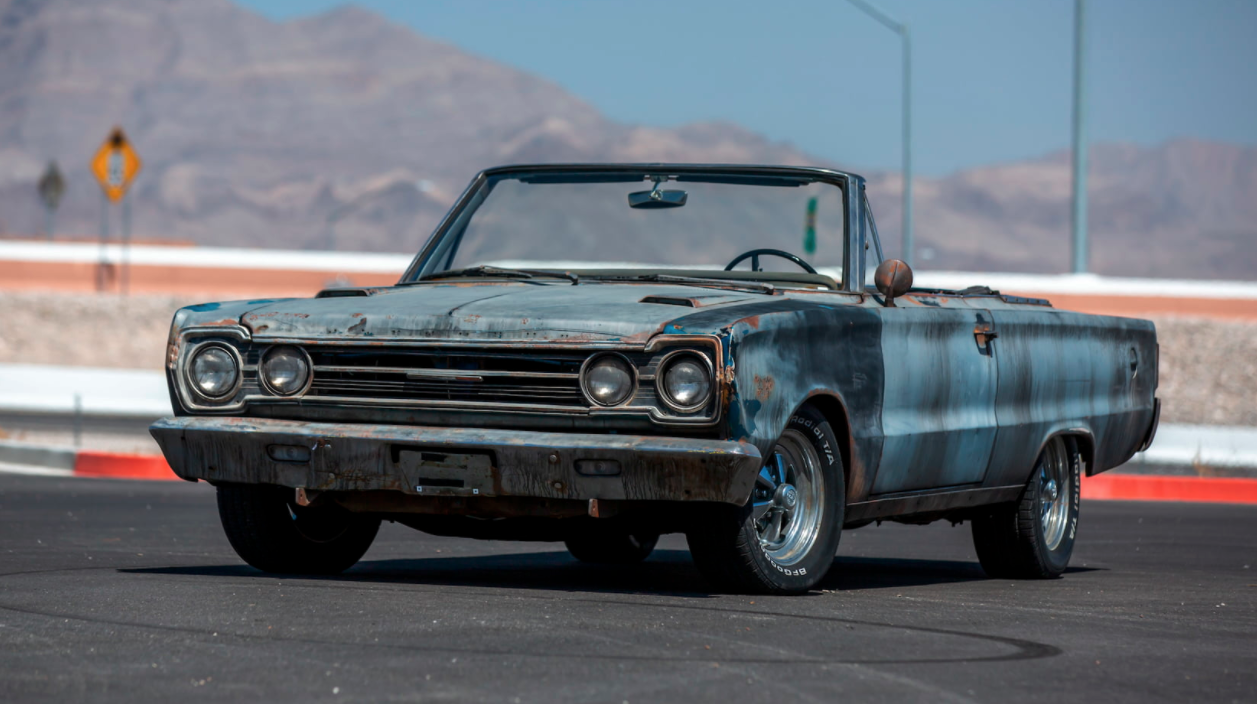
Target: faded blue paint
[938, 410]
[1064, 371]
[521, 311]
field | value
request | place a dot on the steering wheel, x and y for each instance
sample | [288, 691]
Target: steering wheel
[755, 254]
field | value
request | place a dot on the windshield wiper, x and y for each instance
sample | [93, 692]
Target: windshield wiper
[688, 281]
[485, 270]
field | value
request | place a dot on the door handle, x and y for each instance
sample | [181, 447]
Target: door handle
[984, 333]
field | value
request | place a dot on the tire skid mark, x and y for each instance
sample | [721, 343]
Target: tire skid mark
[1023, 649]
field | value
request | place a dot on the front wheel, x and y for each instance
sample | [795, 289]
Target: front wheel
[1034, 538]
[784, 539]
[271, 532]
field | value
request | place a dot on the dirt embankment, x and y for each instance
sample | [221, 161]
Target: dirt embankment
[127, 332]
[1208, 367]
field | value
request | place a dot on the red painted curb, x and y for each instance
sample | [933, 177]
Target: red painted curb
[1113, 487]
[1149, 487]
[115, 465]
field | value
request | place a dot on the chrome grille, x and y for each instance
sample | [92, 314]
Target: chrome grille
[525, 377]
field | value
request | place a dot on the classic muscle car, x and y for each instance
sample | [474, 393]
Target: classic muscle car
[601, 353]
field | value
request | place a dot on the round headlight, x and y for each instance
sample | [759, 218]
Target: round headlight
[285, 370]
[213, 372]
[687, 382]
[608, 380]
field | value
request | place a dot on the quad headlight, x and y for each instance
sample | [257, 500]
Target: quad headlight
[285, 370]
[608, 380]
[213, 371]
[686, 382]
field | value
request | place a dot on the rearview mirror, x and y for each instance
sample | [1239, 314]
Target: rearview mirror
[893, 278]
[650, 200]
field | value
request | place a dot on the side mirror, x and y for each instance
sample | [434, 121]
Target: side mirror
[893, 278]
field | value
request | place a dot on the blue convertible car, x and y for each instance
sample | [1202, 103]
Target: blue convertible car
[600, 354]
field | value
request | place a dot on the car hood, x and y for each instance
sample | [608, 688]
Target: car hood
[551, 312]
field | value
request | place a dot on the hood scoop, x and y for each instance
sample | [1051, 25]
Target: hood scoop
[692, 301]
[346, 292]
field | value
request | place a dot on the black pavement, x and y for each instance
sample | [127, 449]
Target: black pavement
[128, 591]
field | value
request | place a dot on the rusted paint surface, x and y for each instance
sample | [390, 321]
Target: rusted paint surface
[764, 387]
[1062, 371]
[947, 393]
[485, 311]
[367, 457]
[917, 416]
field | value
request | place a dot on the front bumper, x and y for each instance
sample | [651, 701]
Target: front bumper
[427, 461]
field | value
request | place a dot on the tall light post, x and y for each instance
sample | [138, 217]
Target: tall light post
[902, 30]
[1079, 210]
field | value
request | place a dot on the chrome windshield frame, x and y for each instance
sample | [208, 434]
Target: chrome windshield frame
[852, 186]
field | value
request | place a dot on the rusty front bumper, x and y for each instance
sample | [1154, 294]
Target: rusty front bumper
[427, 461]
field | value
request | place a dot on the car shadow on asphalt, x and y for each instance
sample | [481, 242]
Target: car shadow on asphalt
[666, 572]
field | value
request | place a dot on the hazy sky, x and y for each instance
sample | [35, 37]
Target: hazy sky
[992, 77]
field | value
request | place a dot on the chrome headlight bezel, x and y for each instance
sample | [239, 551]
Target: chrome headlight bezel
[265, 382]
[661, 380]
[190, 379]
[593, 360]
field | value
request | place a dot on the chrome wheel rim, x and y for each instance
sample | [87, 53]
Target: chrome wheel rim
[788, 500]
[1054, 491]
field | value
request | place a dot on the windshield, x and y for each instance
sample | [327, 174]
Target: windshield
[642, 220]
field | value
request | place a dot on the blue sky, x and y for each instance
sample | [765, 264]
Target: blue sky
[992, 77]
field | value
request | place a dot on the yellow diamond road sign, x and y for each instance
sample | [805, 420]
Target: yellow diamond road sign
[116, 165]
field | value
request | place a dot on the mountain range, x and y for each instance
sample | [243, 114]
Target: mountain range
[347, 131]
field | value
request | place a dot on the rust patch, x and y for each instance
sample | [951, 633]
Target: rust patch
[358, 327]
[764, 387]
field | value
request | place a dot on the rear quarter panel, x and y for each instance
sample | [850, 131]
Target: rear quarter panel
[1061, 371]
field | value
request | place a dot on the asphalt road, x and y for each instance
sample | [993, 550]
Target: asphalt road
[128, 591]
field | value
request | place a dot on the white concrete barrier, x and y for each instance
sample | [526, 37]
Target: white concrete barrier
[53, 390]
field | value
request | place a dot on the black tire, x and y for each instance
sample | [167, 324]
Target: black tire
[726, 543]
[1015, 541]
[272, 533]
[611, 546]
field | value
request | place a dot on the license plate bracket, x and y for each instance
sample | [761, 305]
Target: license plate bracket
[437, 472]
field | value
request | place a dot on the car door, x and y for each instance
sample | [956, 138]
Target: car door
[938, 409]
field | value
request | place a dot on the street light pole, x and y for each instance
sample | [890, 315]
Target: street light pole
[902, 30]
[1080, 140]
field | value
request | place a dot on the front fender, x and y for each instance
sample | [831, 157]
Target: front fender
[783, 360]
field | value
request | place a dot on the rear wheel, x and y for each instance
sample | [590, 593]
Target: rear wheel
[612, 547]
[271, 532]
[1034, 538]
[784, 539]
